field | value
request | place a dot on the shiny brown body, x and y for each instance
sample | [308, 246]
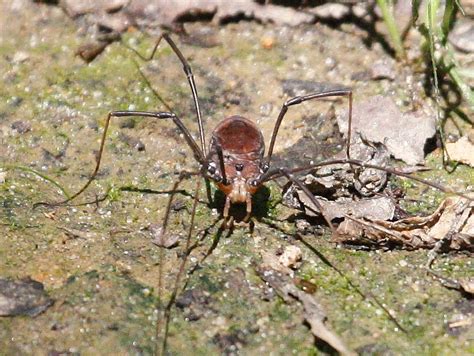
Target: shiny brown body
[242, 146]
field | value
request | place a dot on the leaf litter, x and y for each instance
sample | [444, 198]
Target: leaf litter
[463, 149]
[370, 213]
[280, 277]
[164, 13]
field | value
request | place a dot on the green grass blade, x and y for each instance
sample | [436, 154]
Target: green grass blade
[394, 34]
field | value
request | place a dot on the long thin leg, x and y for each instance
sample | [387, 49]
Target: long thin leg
[220, 155]
[161, 255]
[208, 192]
[285, 172]
[189, 74]
[299, 100]
[198, 154]
[157, 115]
[182, 266]
[276, 173]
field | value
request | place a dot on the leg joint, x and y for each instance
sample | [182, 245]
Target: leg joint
[293, 101]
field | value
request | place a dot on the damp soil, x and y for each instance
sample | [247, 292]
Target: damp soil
[97, 261]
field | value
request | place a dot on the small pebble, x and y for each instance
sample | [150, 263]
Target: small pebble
[403, 263]
[291, 255]
[382, 70]
[20, 57]
[21, 126]
[462, 36]
[267, 42]
[333, 11]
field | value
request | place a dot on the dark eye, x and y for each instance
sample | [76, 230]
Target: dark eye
[239, 167]
[253, 182]
[264, 166]
[211, 169]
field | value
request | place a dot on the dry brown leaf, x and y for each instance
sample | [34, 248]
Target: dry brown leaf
[462, 151]
[453, 222]
[379, 120]
[279, 279]
[154, 13]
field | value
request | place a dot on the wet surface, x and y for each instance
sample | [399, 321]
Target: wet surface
[98, 262]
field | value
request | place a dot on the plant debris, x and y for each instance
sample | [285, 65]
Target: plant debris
[354, 194]
[334, 185]
[463, 149]
[121, 14]
[452, 224]
[381, 208]
[465, 285]
[23, 297]
[274, 273]
[90, 50]
[114, 17]
[379, 121]
[163, 240]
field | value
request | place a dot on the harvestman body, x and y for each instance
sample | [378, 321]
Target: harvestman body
[236, 160]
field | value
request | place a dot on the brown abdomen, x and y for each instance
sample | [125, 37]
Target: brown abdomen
[239, 135]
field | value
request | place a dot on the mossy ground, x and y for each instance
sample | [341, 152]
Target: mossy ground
[105, 281]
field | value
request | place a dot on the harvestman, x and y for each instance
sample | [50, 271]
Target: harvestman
[236, 160]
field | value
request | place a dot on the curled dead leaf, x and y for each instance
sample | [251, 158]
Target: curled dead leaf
[452, 223]
[161, 239]
[462, 150]
[314, 314]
